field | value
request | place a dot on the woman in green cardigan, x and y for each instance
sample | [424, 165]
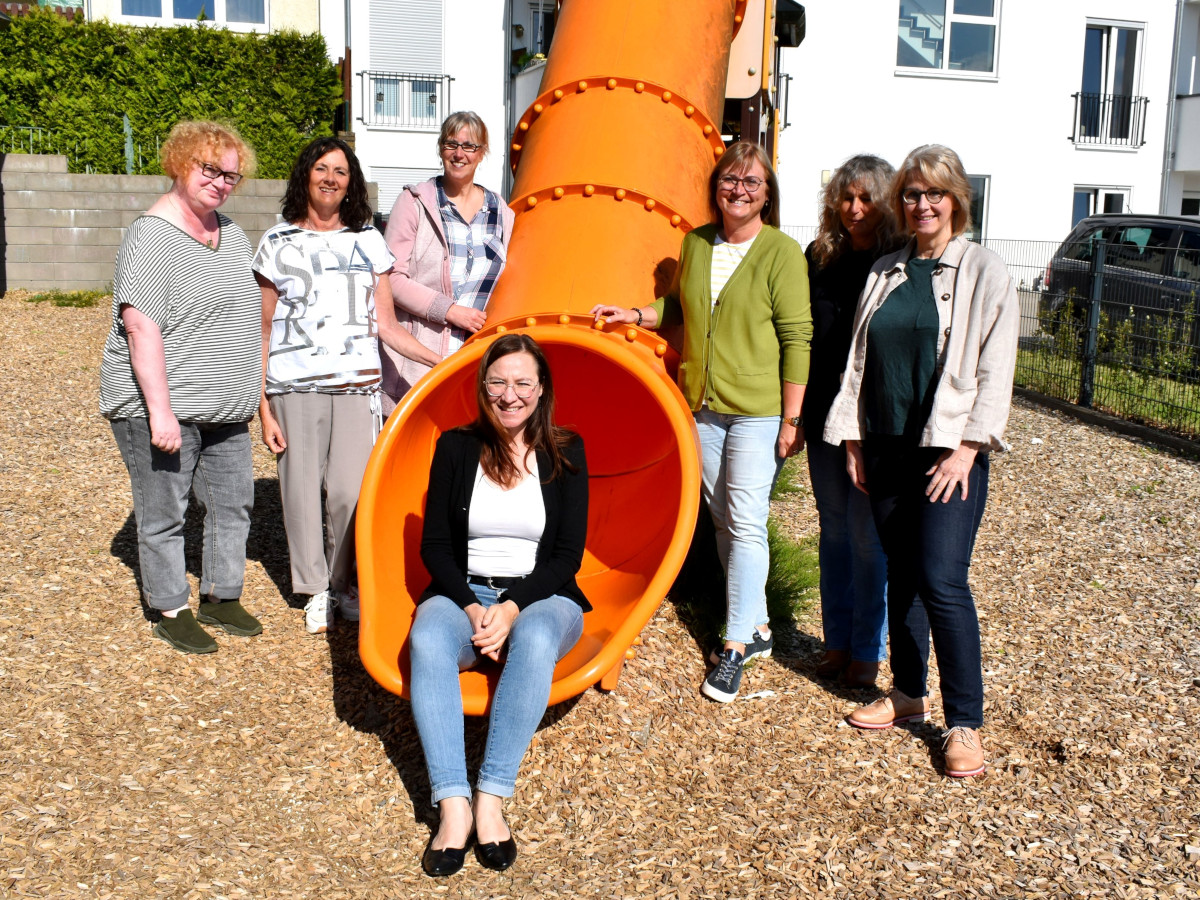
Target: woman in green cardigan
[741, 290]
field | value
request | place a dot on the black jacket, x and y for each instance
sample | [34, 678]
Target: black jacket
[447, 508]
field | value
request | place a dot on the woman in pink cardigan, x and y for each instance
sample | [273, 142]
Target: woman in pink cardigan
[450, 238]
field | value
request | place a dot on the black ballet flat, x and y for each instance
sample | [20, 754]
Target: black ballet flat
[497, 855]
[445, 862]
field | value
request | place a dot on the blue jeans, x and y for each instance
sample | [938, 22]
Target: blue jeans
[929, 548]
[853, 566]
[739, 468]
[440, 647]
[214, 461]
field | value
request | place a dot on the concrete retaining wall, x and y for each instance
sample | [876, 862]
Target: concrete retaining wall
[61, 230]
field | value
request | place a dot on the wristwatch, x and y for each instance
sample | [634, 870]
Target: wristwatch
[794, 421]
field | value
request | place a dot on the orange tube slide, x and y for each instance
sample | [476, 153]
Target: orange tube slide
[612, 165]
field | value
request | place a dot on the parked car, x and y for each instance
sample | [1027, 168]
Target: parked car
[1151, 278]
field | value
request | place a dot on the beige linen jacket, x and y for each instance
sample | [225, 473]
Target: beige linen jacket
[979, 316]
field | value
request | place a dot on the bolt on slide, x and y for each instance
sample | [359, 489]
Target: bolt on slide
[612, 166]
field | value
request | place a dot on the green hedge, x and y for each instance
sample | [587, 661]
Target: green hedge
[76, 79]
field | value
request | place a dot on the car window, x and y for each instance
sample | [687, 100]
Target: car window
[1187, 260]
[1084, 249]
[1140, 247]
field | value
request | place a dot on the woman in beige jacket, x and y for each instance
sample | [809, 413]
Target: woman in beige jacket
[924, 399]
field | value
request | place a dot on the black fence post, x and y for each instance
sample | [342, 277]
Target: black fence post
[1087, 376]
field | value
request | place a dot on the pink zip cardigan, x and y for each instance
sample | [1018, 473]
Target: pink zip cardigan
[420, 281]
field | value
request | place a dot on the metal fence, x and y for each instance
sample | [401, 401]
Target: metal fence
[405, 100]
[114, 154]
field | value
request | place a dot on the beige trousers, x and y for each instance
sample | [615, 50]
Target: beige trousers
[329, 439]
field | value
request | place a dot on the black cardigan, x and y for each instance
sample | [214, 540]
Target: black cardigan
[447, 508]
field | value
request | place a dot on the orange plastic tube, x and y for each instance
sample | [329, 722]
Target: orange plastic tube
[613, 161]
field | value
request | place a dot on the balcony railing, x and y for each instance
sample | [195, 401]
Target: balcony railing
[1115, 120]
[405, 101]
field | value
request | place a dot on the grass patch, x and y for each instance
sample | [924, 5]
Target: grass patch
[699, 592]
[792, 479]
[76, 299]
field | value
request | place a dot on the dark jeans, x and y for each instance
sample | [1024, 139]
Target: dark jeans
[928, 547]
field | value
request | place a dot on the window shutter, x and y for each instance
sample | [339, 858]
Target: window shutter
[406, 36]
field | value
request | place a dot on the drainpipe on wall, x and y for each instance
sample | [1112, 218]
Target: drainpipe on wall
[1169, 149]
[347, 134]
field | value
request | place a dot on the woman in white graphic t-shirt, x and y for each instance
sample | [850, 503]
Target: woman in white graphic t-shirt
[326, 303]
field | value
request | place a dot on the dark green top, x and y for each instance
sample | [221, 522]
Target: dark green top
[901, 363]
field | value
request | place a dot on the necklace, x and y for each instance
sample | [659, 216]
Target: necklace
[208, 239]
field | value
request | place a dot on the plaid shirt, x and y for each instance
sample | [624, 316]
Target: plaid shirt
[476, 253]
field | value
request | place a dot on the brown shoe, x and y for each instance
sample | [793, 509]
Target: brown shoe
[860, 674]
[895, 708]
[964, 752]
[832, 663]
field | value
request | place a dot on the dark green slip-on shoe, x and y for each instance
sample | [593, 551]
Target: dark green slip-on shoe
[230, 615]
[183, 633]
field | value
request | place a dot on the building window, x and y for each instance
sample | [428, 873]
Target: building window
[1092, 200]
[979, 205]
[424, 100]
[1190, 205]
[1108, 109]
[952, 37]
[541, 26]
[243, 14]
[141, 8]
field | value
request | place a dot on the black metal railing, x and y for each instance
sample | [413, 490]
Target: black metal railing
[1112, 119]
[405, 100]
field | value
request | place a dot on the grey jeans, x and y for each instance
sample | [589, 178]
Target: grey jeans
[215, 462]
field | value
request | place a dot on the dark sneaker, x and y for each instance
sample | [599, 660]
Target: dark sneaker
[759, 648]
[723, 682]
[230, 615]
[184, 633]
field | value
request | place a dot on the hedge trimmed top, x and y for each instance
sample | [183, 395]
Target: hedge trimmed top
[76, 79]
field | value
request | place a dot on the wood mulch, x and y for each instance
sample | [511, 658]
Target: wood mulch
[277, 768]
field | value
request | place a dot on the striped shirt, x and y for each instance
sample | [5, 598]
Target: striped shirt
[726, 257]
[208, 308]
[476, 253]
[324, 331]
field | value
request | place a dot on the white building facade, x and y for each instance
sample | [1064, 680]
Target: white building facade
[1057, 109]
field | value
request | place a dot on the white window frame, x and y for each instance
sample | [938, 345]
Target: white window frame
[945, 71]
[1098, 193]
[545, 6]
[980, 227]
[1109, 68]
[1188, 195]
[215, 20]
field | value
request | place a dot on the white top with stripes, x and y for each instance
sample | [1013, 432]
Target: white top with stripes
[726, 257]
[324, 331]
[207, 306]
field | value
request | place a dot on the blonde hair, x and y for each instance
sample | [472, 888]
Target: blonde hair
[874, 175]
[203, 141]
[457, 121]
[938, 166]
[741, 156]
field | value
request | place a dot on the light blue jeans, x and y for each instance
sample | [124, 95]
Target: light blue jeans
[441, 647]
[853, 565]
[213, 461]
[739, 468]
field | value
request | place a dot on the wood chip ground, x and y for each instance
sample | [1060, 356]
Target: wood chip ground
[277, 768]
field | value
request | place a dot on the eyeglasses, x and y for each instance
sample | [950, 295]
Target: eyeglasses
[910, 196]
[212, 173]
[466, 148]
[523, 389]
[751, 183]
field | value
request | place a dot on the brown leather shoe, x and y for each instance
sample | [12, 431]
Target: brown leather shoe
[832, 663]
[860, 674]
[895, 708]
[964, 752]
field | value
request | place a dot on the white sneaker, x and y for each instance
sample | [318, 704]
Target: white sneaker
[347, 602]
[318, 613]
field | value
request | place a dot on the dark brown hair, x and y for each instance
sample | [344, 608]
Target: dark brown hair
[355, 210]
[540, 431]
